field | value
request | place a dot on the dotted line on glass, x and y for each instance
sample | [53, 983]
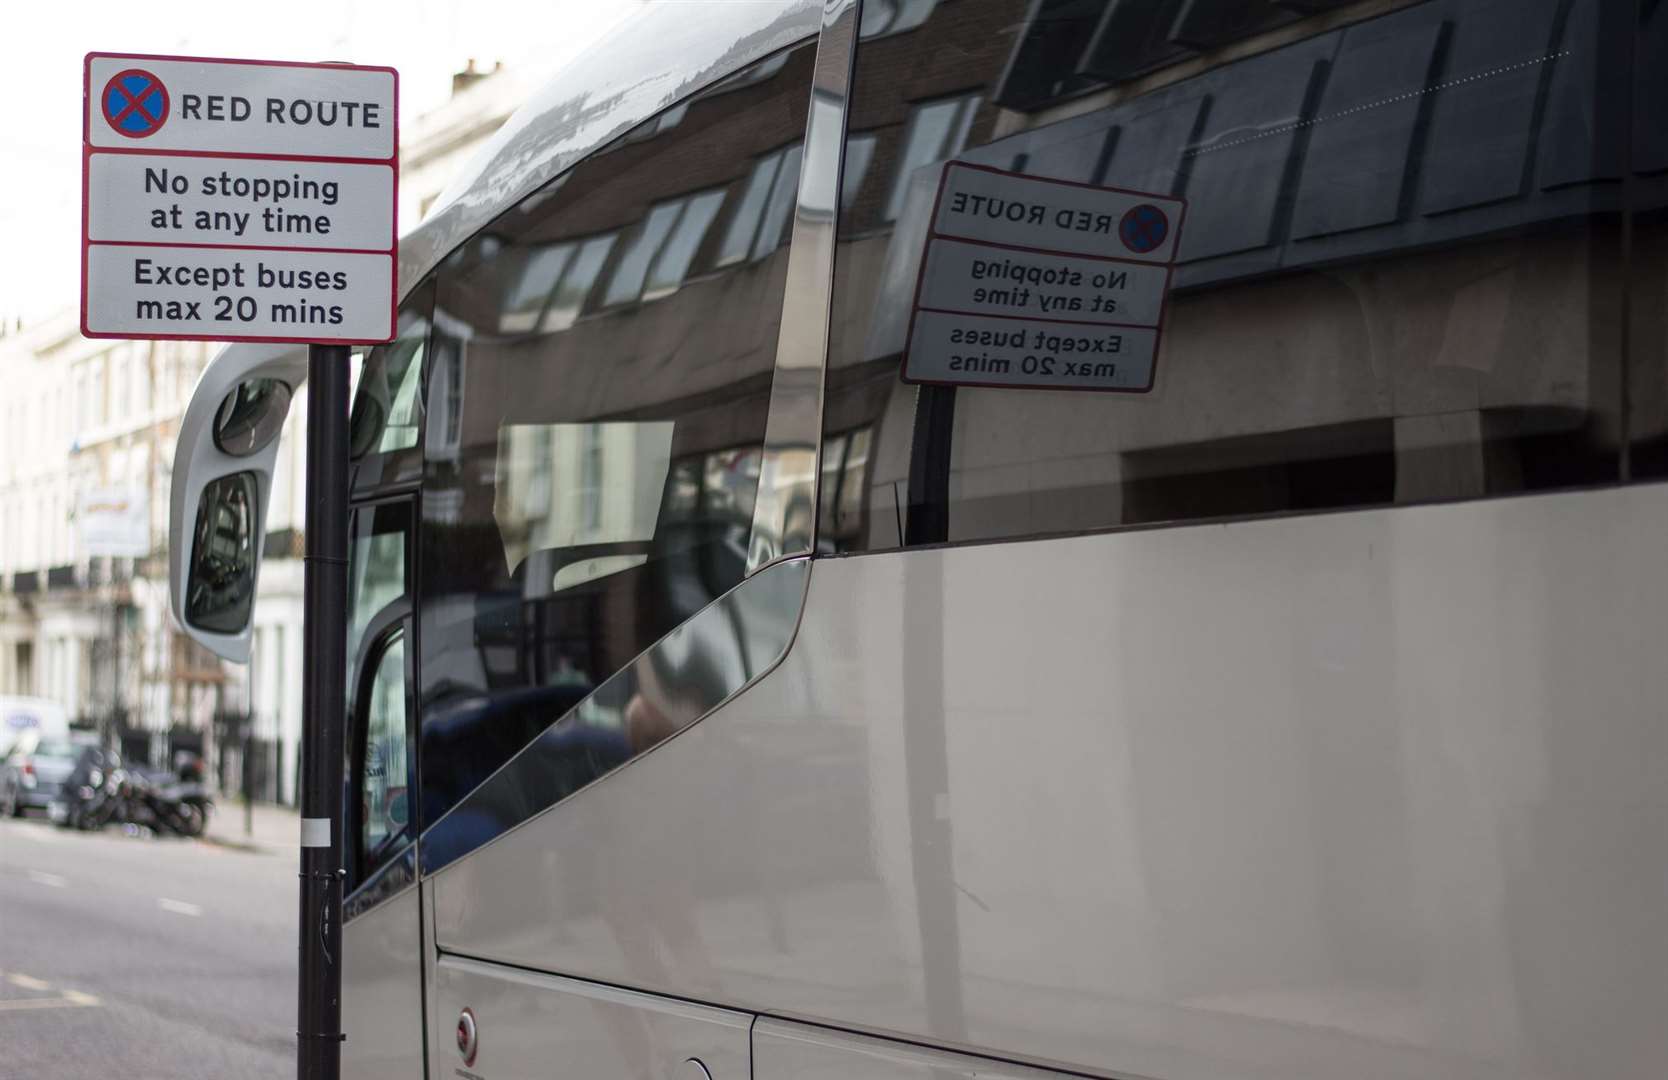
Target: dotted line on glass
[1450, 84]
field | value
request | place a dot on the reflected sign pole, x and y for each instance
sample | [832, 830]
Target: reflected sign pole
[239, 200]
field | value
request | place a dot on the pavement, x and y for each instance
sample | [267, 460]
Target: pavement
[262, 827]
[148, 958]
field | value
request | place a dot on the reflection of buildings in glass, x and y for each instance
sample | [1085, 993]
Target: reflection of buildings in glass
[580, 487]
[845, 459]
[602, 366]
[937, 132]
[881, 17]
[860, 150]
[1294, 374]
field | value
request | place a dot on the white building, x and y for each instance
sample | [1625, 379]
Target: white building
[91, 425]
[86, 441]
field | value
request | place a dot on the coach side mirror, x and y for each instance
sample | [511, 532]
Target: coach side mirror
[251, 416]
[220, 591]
[223, 465]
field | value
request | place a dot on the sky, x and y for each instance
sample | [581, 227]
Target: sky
[427, 40]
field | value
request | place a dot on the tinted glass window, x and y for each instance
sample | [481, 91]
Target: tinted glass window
[1648, 333]
[1396, 278]
[384, 768]
[378, 566]
[388, 403]
[597, 399]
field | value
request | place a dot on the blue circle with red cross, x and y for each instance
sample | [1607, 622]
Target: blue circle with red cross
[1143, 228]
[135, 103]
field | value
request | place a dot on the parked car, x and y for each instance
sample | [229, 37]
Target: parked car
[35, 768]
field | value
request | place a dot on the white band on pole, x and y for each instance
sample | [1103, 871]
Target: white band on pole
[315, 832]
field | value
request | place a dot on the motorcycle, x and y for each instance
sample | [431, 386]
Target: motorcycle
[101, 792]
[94, 794]
[176, 802]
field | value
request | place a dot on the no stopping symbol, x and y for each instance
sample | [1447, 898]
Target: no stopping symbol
[1143, 228]
[135, 103]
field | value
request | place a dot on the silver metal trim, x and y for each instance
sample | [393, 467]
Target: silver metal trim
[431, 961]
[785, 510]
[728, 646]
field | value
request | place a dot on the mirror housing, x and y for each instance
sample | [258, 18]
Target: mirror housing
[224, 490]
[251, 416]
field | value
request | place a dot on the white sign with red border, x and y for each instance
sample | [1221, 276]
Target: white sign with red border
[1034, 283]
[238, 200]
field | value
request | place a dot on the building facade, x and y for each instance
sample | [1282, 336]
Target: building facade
[87, 432]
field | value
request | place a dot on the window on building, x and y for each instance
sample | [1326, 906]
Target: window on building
[560, 537]
[937, 132]
[625, 284]
[576, 283]
[119, 385]
[744, 221]
[278, 665]
[1398, 276]
[686, 238]
[142, 382]
[860, 150]
[259, 673]
[99, 391]
[882, 17]
[778, 212]
[756, 227]
[540, 272]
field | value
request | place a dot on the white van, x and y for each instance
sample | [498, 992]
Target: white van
[23, 716]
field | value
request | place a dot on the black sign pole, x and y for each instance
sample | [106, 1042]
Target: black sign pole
[323, 705]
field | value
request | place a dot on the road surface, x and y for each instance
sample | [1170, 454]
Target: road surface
[143, 958]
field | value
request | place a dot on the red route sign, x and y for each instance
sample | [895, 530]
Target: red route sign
[238, 200]
[1034, 283]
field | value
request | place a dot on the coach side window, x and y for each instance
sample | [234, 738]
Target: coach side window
[380, 725]
[597, 396]
[387, 403]
[382, 810]
[1109, 264]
